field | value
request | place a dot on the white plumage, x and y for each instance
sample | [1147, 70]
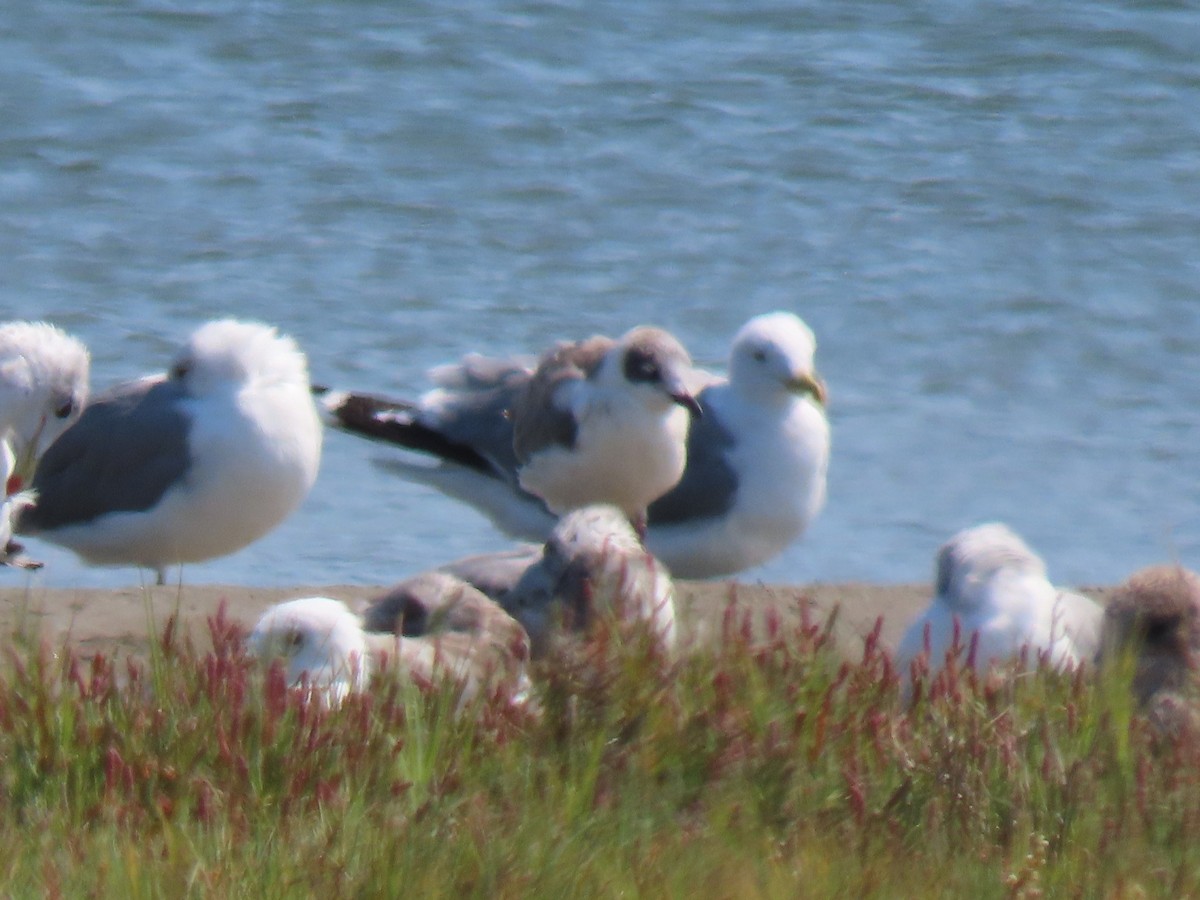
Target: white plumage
[996, 589]
[43, 388]
[189, 465]
[321, 642]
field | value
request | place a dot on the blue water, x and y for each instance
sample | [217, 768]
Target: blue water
[988, 212]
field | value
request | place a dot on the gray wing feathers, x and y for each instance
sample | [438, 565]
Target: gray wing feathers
[480, 420]
[537, 420]
[126, 450]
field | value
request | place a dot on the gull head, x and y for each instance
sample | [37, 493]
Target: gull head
[1155, 614]
[320, 641]
[972, 563]
[773, 356]
[43, 389]
[653, 361]
[230, 354]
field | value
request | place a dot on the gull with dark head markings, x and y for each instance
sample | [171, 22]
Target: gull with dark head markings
[189, 465]
[756, 461]
[605, 422]
[993, 589]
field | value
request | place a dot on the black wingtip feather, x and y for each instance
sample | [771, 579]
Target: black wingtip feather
[395, 422]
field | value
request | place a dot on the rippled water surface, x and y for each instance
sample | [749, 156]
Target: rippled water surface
[989, 213]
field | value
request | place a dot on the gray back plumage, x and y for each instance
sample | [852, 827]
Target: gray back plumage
[127, 449]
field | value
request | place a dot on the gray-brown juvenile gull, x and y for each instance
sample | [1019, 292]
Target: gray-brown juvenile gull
[189, 465]
[1155, 615]
[593, 566]
[445, 625]
[756, 461]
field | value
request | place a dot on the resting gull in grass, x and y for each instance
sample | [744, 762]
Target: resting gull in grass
[756, 461]
[43, 387]
[1155, 615]
[189, 465]
[592, 566]
[431, 628]
[321, 641]
[444, 624]
[994, 590]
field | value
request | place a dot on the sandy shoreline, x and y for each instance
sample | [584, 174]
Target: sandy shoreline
[121, 621]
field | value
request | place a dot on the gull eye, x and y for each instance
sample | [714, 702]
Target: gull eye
[641, 366]
[180, 370]
[759, 355]
[64, 409]
[293, 640]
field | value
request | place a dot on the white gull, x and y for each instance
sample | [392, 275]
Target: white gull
[189, 465]
[993, 590]
[43, 387]
[431, 629]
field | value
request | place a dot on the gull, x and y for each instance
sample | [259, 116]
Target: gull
[189, 465]
[322, 642]
[992, 589]
[603, 421]
[756, 465]
[43, 387]
[593, 566]
[446, 626]
[1155, 615]
[430, 628]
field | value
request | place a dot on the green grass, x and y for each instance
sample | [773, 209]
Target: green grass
[764, 766]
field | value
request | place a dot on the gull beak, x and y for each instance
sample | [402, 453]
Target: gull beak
[810, 384]
[25, 463]
[687, 401]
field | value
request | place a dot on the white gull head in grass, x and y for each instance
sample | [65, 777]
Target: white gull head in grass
[756, 460]
[992, 591]
[186, 466]
[1154, 615]
[593, 566]
[604, 421]
[43, 389]
[321, 643]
